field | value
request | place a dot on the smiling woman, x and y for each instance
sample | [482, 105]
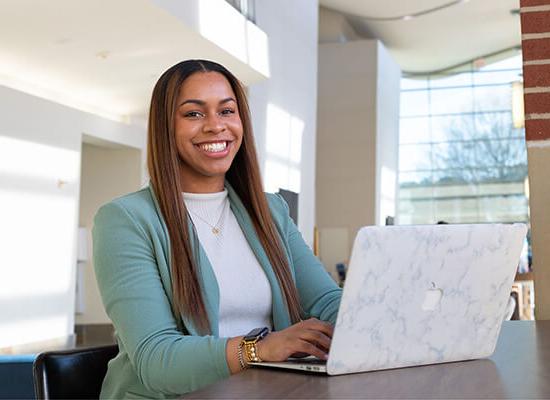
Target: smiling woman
[189, 265]
[208, 131]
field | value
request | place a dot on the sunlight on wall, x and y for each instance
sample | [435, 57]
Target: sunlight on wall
[229, 29]
[21, 332]
[33, 260]
[279, 175]
[39, 199]
[258, 48]
[284, 150]
[33, 160]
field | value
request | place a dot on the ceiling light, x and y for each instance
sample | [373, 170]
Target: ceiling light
[103, 54]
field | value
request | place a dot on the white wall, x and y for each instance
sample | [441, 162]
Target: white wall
[106, 173]
[387, 132]
[221, 33]
[40, 144]
[284, 107]
[357, 142]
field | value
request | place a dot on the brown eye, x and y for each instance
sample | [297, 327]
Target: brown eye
[228, 111]
[193, 114]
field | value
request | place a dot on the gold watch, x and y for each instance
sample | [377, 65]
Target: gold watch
[248, 343]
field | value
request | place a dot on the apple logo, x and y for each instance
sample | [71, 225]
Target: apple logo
[432, 298]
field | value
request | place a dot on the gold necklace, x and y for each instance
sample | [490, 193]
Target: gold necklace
[217, 228]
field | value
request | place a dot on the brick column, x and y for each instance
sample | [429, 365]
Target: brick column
[535, 29]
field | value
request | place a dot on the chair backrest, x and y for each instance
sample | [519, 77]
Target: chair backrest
[72, 374]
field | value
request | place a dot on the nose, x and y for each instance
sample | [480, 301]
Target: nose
[213, 124]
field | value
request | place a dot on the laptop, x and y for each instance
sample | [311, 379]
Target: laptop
[417, 295]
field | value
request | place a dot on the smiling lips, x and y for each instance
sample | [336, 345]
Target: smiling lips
[214, 148]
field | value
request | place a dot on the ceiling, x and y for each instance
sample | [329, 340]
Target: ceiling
[77, 54]
[95, 55]
[435, 41]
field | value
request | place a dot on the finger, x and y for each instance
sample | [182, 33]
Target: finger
[299, 355]
[306, 347]
[322, 326]
[317, 338]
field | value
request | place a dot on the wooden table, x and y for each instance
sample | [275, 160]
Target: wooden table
[520, 368]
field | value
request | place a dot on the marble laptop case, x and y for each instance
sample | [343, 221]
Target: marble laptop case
[418, 295]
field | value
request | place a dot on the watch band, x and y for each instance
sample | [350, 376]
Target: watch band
[251, 353]
[242, 364]
[248, 343]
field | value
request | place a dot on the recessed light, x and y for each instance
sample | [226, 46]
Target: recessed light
[103, 54]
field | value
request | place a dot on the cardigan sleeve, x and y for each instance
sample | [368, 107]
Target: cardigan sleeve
[165, 360]
[319, 294]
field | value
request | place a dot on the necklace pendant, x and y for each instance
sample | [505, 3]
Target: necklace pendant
[215, 230]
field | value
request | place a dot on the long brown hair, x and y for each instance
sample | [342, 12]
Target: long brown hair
[243, 175]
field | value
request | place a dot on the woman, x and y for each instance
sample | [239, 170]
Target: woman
[202, 256]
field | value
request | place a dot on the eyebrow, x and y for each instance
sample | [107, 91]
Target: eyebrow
[202, 103]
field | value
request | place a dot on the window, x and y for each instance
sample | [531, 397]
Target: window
[460, 158]
[245, 7]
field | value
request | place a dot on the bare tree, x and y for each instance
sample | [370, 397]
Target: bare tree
[484, 147]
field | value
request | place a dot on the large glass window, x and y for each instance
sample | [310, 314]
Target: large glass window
[461, 160]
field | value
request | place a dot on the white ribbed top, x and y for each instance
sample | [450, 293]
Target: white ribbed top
[245, 293]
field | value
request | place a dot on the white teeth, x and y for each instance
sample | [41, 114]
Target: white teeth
[213, 147]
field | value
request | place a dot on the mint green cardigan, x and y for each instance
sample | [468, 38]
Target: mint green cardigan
[161, 354]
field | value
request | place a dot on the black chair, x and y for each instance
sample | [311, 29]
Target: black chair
[71, 374]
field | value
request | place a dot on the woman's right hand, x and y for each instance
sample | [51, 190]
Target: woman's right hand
[309, 337]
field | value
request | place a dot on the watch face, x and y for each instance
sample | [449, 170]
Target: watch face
[257, 333]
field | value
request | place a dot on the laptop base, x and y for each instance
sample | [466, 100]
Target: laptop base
[310, 364]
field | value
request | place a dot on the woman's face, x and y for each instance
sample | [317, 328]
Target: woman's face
[208, 131]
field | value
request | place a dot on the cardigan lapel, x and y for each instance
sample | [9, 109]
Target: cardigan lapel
[281, 317]
[210, 288]
[209, 282]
